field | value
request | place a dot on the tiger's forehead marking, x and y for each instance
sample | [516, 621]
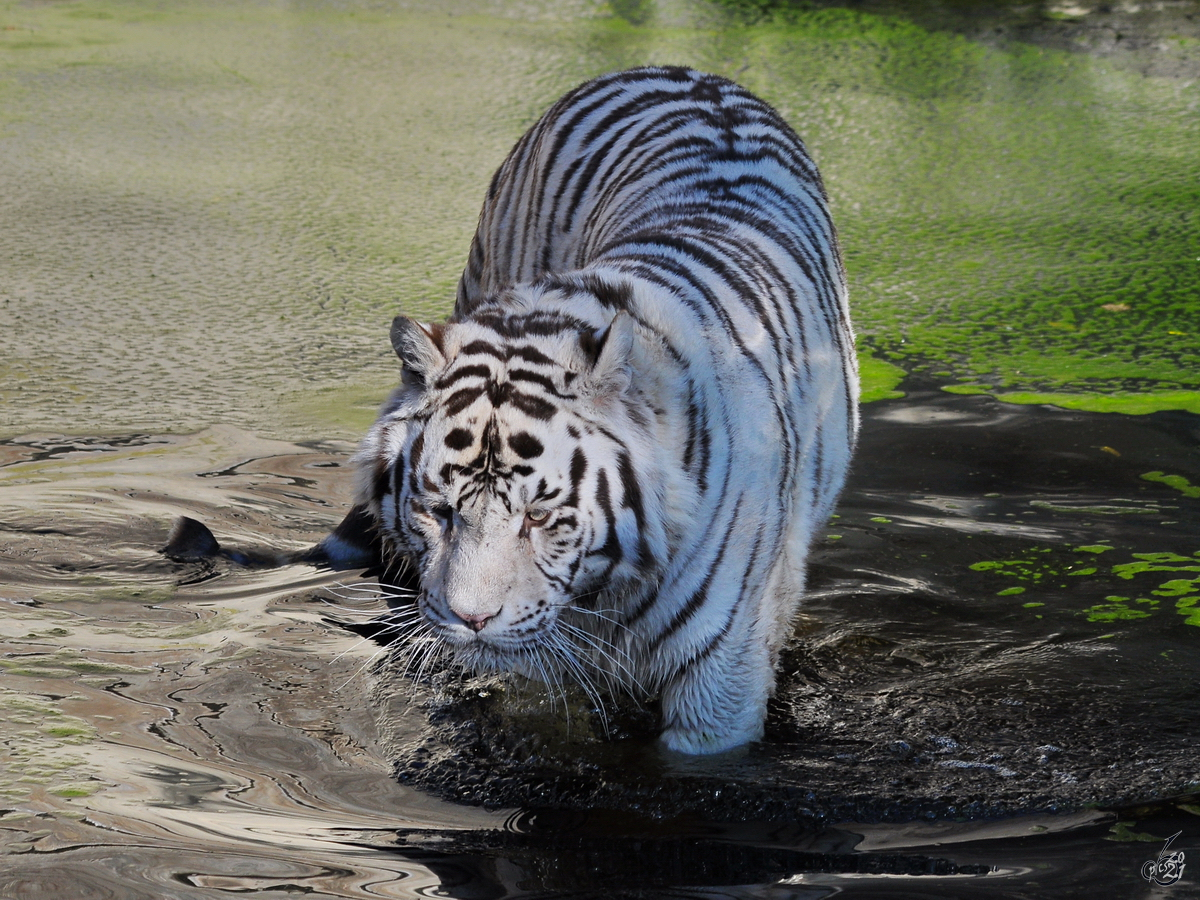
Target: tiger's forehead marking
[522, 443]
[507, 372]
[495, 413]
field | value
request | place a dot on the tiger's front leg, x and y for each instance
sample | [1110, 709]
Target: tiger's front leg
[719, 702]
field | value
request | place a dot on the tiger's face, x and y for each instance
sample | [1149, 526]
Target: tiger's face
[497, 471]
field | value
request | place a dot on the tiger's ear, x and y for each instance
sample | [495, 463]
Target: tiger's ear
[610, 350]
[419, 348]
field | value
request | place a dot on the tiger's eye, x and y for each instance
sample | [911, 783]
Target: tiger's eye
[445, 513]
[537, 516]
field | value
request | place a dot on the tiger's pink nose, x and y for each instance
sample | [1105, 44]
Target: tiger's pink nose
[475, 623]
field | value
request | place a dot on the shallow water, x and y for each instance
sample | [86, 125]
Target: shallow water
[209, 213]
[192, 729]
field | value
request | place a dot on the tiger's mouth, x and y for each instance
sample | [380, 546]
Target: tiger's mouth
[494, 639]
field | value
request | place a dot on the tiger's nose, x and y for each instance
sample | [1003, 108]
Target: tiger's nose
[475, 623]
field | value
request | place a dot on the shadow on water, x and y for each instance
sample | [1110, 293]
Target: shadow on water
[589, 855]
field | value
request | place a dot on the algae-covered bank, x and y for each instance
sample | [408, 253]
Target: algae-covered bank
[210, 213]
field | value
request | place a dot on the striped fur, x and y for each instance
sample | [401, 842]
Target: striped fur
[610, 462]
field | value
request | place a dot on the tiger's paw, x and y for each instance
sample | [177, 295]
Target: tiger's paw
[709, 741]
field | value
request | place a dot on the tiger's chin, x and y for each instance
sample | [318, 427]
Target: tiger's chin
[543, 653]
[529, 658]
[496, 650]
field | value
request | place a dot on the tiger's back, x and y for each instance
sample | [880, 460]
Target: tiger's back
[692, 183]
[654, 300]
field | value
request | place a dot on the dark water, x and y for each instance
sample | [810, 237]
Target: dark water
[194, 730]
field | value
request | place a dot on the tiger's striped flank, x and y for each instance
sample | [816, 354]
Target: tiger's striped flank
[609, 464]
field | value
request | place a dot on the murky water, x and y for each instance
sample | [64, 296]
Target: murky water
[179, 730]
[208, 215]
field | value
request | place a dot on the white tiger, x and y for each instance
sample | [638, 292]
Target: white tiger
[610, 462]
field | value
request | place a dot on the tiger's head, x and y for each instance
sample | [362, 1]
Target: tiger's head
[511, 468]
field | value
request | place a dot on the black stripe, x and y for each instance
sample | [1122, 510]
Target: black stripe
[534, 407]
[697, 599]
[416, 448]
[611, 548]
[461, 399]
[565, 129]
[459, 439]
[525, 445]
[700, 287]
[575, 476]
[382, 479]
[633, 500]
[482, 347]
[537, 378]
[713, 642]
[531, 355]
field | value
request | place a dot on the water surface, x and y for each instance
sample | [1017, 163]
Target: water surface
[209, 214]
[186, 729]
[251, 191]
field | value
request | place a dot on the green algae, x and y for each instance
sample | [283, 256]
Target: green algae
[1044, 564]
[40, 741]
[1127, 402]
[1156, 562]
[70, 732]
[1178, 482]
[1176, 587]
[878, 379]
[1189, 608]
[346, 410]
[65, 663]
[1014, 567]
[77, 789]
[258, 189]
[1123, 832]
[1117, 609]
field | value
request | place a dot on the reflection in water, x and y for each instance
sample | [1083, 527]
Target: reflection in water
[166, 728]
[170, 732]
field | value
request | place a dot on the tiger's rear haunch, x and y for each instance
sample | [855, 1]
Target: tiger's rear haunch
[610, 462]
